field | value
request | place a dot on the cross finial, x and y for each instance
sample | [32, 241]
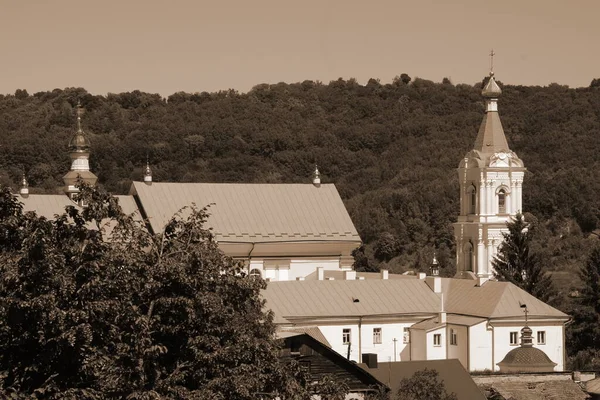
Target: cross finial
[79, 114]
[492, 54]
[525, 310]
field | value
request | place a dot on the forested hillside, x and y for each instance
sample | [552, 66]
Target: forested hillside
[392, 150]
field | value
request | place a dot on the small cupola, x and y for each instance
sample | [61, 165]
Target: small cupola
[316, 177]
[24, 191]
[435, 267]
[148, 173]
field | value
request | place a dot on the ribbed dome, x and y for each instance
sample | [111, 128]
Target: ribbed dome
[79, 142]
[527, 357]
[491, 89]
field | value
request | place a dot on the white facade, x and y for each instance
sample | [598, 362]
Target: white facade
[284, 269]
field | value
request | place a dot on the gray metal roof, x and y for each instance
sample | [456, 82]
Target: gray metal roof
[329, 299]
[248, 213]
[468, 302]
[491, 137]
[493, 300]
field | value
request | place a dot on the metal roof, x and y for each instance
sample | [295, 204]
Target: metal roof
[339, 275]
[312, 331]
[248, 213]
[337, 298]
[455, 377]
[451, 319]
[491, 137]
[467, 302]
[493, 300]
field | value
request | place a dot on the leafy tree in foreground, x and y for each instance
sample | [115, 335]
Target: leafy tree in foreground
[516, 263]
[423, 385]
[137, 316]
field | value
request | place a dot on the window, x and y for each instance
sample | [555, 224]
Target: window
[304, 366]
[406, 336]
[541, 337]
[437, 339]
[346, 336]
[470, 256]
[502, 201]
[255, 273]
[514, 338]
[453, 337]
[472, 199]
[376, 335]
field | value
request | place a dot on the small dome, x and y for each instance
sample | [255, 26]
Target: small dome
[491, 89]
[79, 142]
[526, 359]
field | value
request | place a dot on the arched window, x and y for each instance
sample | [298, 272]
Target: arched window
[502, 201]
[255, 273]
[470, 257]
[472, 192]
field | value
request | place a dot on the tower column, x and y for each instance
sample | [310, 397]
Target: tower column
[482, 210]
[519, 196]
[490, 256]
[490, 197]
[481, 259]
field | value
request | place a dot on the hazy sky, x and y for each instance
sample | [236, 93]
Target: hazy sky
[199, 45]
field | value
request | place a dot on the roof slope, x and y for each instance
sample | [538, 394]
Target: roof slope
[456, 379]
[254, 212]
[491, 137]
[312, 331]
[548, 390]
[327, 299]
[493, 300]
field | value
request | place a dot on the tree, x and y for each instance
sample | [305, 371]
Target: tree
[423, 385]
[590, 276]
[138, 316]
[517, 264]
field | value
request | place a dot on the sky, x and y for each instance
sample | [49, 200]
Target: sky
[114, 46]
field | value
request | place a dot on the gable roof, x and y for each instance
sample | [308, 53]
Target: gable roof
[49, 205]
[454, 376]
[527, 390]
[328, 299]
[493, 300]
[248, 213]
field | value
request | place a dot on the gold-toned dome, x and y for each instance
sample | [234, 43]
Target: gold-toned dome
[491, 89]
[79, 142]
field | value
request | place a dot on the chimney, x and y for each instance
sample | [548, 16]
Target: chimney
[481, 280]
[349, 275]
[384, 274]
[320, 273]
[370, 359]
[434, 283]
[443, 310]
[421, 275]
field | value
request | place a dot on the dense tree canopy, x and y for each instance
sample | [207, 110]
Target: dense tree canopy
[91, 311]
[391, 149]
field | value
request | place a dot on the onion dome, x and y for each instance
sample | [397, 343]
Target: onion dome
[79, 143]
[526, 358]
[24, 191]
[491, 89]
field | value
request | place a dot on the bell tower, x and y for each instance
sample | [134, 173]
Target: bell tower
[490, 178]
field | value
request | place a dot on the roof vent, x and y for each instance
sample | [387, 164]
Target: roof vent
[421, 275]
[481, 280]
[320, 273]
[350, 275]
[384, 274]
[300, 278]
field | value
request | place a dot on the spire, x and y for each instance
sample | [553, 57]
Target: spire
[316, 177]
[79, 151]
[24, 191]
[148, 173]
[435, 268]
[491, 138]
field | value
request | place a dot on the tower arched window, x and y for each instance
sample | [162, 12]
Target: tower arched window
[502, 201]
[472, 195]
[470, 259]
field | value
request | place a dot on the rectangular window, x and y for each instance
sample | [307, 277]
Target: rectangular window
[514, 338]
[437, 339]
[453, 337]
[304, 366]
[346, 336]
[541, 337]
[406, 336]
[376, 335]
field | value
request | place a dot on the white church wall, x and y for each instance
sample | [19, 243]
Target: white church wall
[480, 347]
[459, 349]
[436, 351]
[304, 267]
